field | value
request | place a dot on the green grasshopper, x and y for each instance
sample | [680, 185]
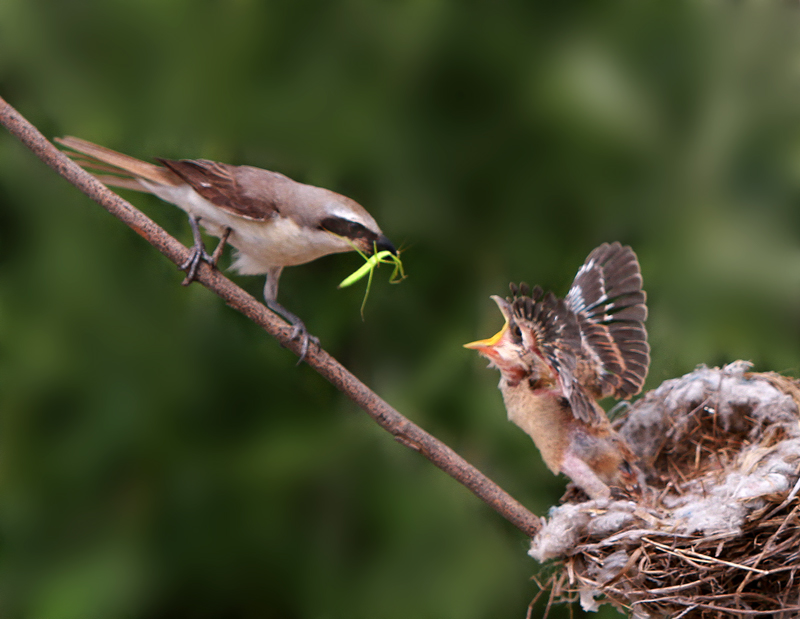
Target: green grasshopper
[370, 264]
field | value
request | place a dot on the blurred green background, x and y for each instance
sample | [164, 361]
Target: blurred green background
[160, 456]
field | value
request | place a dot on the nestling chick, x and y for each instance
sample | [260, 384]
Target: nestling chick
[558, 356]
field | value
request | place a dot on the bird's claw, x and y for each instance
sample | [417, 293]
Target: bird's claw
[199, 253]
[299, 330]
[192, 263]
[307, 340]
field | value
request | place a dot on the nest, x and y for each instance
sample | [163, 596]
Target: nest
[716, 530]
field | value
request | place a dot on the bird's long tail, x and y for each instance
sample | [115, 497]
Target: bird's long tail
[115, 169]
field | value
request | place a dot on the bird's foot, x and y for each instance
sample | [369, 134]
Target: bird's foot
[199, 253]
[299, 330]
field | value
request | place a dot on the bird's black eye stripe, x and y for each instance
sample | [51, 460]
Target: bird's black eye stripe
[345, 227]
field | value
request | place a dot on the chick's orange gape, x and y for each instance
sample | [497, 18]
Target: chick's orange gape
[557, 357]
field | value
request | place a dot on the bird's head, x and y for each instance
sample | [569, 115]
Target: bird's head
[348, 220]
[506, 349]
[540, 335]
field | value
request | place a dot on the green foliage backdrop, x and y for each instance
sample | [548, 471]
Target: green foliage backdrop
[160, 456]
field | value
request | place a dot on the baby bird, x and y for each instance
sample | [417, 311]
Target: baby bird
[558, 356]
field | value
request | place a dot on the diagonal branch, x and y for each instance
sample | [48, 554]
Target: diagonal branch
[388, 418]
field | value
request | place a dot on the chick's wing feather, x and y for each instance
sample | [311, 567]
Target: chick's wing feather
[610, 306]
[550, 329]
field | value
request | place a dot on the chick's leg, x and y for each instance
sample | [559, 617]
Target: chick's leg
[584, 477]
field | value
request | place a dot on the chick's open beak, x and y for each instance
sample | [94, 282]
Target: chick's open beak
[488, 344]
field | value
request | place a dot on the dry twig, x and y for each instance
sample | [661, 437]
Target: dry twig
[387, 417]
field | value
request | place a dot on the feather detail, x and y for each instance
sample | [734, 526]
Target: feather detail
[550, 329]
[122, 170]
[218, 183]
[610, 306]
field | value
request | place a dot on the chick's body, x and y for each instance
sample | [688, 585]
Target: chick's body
[556, 357]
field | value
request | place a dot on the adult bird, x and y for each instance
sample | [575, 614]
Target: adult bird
[272, 221]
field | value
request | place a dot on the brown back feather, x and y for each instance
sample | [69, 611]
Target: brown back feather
[217, 183]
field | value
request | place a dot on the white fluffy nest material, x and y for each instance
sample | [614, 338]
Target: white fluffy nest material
[717, 532]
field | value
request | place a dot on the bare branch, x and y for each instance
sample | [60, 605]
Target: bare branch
[387, 417]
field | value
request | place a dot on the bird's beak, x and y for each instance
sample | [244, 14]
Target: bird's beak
[489, 343]
[384, 244]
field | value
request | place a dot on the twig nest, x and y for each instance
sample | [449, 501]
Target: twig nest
[715, 531]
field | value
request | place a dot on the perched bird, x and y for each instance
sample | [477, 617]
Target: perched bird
[558, 356]
[273, 221]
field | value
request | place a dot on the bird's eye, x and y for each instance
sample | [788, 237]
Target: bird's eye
[516, 333]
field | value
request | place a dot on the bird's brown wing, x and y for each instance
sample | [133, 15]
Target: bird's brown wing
[217, 183]
[610, 306]
[556, 339]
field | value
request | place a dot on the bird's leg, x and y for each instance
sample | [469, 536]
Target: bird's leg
[220, 247]
[584, 477]
[298, 326]
[199, 252]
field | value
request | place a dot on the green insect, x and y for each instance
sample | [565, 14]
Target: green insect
[370, 264]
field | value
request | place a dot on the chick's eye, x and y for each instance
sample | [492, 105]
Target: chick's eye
[516, 333]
